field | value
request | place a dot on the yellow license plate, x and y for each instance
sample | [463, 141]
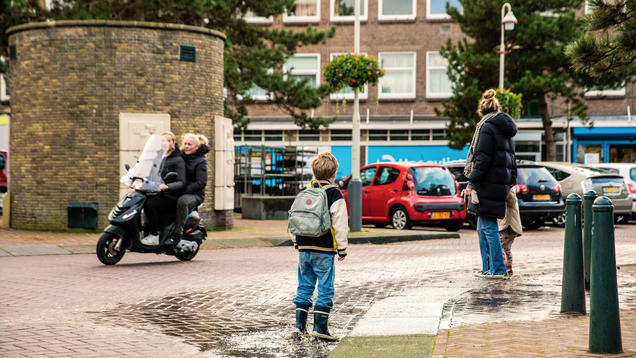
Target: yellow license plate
[611, 189]
[440, 215]
[541, 197]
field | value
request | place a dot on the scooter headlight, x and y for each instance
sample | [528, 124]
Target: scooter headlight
[137, 184]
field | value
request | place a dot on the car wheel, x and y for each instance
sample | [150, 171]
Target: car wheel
[400, 219]
[559, 220]
[454, 225]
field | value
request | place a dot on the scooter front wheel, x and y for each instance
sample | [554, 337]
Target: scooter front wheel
[107, 251]
[187, 256]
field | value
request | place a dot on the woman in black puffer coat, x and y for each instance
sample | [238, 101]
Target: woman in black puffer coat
[491, 170]
[194, 149]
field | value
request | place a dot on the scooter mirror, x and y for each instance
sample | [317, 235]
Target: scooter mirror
[127, 166]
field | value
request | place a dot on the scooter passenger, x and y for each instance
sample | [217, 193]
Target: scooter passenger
[166, 200]
[194, 147]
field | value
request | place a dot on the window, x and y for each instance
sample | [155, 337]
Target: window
[252, 19]
[439, 134]
[253, 136]
[342, 10]
[558, 174]
[347, 93]
[420, 134]
[387, 175]
[399, 77]
[304, 66]
[304, 11]
[273, 136]
[436, 9]
[396, 9]
[437, 83]
[366, 176]
[259, 94]
[238, 137]
[340, 134]
[308, 135]
[632, 173]
[610, 92]
[399, 134]
[4, 89]
[378, 134]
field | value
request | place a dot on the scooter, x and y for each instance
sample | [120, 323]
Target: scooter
[126, 227]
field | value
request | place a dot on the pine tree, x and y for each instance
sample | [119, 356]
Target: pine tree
[254, 55]
[606, 51]
[536, 65]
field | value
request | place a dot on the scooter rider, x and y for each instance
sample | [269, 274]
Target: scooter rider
[194, 148]
[166, 200]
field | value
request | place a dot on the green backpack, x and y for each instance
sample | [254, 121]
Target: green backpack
[309, 214]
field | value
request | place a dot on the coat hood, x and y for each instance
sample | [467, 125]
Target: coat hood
[505, 124]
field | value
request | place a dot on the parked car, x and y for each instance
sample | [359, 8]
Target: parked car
[406, 193]
[628, 172]
[577, 178]
[538, 193]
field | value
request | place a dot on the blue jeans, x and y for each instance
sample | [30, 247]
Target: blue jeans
[314, 266]
[492, 260]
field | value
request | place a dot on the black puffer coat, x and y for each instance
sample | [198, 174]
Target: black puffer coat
[495, 169]
[174, 163]
[196, 172]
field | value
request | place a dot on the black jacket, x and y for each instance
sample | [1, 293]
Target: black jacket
[174, 163]
[495, 169]
[196, 170]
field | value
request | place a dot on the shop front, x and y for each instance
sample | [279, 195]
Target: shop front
[604, 145]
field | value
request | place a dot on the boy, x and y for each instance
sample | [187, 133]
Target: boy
[316, 254]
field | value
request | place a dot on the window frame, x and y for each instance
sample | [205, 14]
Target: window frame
[287, 19]
[409, 17]
[339, 96]
[257, 19]
[304, 72]
[405, 95]
[262, 98]
[429, 94]
[4, 96]
[431, 16]
[339, 18]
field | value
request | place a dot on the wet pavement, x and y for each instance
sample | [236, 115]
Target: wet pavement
[237, 302]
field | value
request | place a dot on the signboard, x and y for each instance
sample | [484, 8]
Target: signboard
[591, 158]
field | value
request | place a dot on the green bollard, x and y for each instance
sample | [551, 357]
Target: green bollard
[572, 286]
[588, 200]
[605, 326]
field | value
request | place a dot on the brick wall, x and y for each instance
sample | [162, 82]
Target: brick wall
[70, 81]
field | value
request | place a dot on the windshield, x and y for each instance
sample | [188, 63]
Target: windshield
[148, 165]
[433, 181]
[534, 175]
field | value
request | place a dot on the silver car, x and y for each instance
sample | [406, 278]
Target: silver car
[576, 178]
[628, 172]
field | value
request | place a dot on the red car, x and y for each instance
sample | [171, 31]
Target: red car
[404, 193]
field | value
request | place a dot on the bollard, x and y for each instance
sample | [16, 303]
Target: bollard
[605, 327]
[572, 286]
[588, 200]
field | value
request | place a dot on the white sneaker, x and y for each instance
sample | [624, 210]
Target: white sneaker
[152, 240]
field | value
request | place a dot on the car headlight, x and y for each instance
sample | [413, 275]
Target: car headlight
[137, 184]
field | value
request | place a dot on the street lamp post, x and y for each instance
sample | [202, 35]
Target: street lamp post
[508, 24]
[355, 185]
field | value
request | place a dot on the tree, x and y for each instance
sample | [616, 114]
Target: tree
[254, 55]
[15, 12]
[535, 66]
[606, 51]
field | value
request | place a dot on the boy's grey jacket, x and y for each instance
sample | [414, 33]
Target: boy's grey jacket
[340, 223]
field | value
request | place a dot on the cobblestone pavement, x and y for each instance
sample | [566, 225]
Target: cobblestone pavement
[237, 302]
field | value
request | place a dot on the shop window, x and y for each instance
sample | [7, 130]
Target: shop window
[308, 135]
[340, 135]
[437, 83]
[436, 9]
[396, 9]
[378, 134]
[399, 78]
[343, 10]
[304, 66]
[347, 92]
[303, 11]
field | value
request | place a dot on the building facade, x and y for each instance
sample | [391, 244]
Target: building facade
[398, 120]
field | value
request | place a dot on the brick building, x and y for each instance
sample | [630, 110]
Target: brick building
[398, 121]
[86, 94]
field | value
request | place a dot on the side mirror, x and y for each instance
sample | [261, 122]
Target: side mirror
[340, 183]
[171, 177]
[1, 163]
[127, 167]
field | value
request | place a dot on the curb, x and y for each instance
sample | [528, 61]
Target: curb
[215, 244]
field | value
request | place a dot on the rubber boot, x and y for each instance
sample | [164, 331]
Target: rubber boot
[320, 326]
[301, 323]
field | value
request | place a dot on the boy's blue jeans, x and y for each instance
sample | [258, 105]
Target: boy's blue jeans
[492, 260]
[314, 266]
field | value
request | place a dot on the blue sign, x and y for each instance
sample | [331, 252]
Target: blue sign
[439, 154]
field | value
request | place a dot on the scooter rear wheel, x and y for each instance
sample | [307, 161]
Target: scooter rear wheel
[187, 256]
[106, 252]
